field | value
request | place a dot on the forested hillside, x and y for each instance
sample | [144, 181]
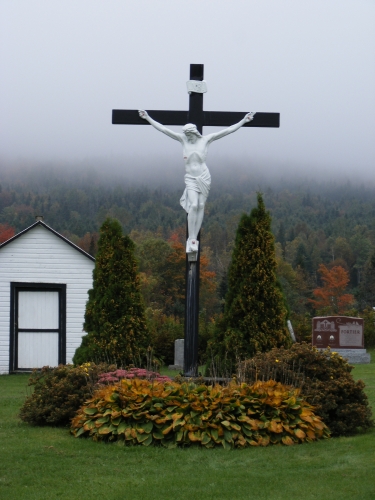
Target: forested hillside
[316, 224]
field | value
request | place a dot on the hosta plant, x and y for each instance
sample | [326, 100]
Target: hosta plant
[172, 414]
[325, 380]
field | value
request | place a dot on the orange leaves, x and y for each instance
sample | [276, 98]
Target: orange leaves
[6, 232]
[207, 277]
[331, 296]
[171, 414]
[194, 437]
[174, 274]
[89, 243]
[177, 416]
[287, 440]
[166, 430]
[306, 415]
[300, 434]
[275, 427]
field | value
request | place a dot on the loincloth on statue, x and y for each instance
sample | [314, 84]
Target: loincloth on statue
[199, 184]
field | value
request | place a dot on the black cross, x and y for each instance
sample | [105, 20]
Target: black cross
[201, 119]
[195, 114]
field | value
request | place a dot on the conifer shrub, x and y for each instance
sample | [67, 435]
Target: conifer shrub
[172, 414]
[115, 315]
[325, 381]
[59, 392]
[255, 311]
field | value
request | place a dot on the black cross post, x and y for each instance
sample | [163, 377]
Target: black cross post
[200, 118]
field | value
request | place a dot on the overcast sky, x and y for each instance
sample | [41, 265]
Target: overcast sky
[66, 64]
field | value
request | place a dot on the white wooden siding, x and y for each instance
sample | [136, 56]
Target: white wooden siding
[39, 256]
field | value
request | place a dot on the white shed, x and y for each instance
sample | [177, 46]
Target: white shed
[44, 280]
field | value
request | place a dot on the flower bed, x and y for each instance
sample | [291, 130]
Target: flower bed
[172, 414]
[111, 378]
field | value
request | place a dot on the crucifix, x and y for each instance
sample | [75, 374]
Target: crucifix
[197, 179]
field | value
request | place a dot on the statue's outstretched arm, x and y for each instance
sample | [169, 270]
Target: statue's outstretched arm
[218, 135]
[174, 135]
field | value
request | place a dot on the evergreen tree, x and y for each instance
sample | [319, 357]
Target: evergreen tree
[281, 238]
[114, 317]
[366, 292]
[302, 259]
[255, 313]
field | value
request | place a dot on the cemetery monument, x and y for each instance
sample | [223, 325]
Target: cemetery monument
[342, 334]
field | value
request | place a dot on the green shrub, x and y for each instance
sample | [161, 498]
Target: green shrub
[115, 316]
[325, 380]
[255, 311]
[85, 352]
[59, 392]
[302, 326]
[164, 330]
[172, 414]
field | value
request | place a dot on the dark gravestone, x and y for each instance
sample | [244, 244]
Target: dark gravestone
[342, 334]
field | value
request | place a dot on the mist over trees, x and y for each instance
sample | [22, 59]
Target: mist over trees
[314, 224]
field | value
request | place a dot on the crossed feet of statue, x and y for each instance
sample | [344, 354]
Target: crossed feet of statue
[192, 245]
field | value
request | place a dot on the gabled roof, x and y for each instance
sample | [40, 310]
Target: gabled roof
[43, 224]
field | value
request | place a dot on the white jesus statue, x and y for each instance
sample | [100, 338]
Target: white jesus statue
[197, 176]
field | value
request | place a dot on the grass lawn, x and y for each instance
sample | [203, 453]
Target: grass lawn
[47, 463]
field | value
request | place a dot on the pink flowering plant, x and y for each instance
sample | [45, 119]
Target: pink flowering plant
[114, 377]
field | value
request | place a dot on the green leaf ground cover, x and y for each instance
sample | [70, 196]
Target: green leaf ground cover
[172, 414]
[46, 463]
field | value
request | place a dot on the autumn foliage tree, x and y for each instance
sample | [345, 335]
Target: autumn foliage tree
[175, 275]
[331, 297]
[89, 243]
[6, 232]
[162, 265]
